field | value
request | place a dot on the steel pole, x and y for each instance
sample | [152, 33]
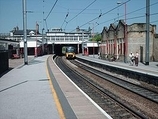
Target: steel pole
[43, 51]
[126, 39]
[147, 31]
[36, 41]
[93, 39]
[25, 33]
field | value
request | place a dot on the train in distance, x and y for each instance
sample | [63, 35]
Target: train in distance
[69, 52]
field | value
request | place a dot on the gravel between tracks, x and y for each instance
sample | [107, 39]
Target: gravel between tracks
[144, 105]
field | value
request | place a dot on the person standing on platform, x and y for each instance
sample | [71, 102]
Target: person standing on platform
[131, 56]
[136, 58]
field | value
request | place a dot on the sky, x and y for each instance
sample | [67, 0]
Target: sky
[70, 14]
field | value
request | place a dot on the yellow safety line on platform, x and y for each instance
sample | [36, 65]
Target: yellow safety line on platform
[56, 99]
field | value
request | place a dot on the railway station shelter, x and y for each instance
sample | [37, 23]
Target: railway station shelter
[90, 48]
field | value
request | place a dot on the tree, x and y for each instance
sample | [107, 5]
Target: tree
[97, 38]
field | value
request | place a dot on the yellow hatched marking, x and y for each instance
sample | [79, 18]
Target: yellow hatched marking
[56, 99]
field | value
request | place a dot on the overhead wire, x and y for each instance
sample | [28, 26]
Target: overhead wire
[65, 19]
[141, 16]
[51, 9]
[154, 21]
[139, 9]
[65, 25]
[80, 12]
[136, 17]
[49, 14]
[103, 14]
[46, 24]
[100, 15]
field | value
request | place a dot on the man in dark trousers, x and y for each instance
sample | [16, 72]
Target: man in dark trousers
[136, 58]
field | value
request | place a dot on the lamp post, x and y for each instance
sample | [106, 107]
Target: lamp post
[118, 3]
[43, 42]
[125, 33]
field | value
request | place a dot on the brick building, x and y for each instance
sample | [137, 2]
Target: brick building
[120, 40]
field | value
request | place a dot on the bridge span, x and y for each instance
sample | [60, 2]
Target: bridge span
[56, 39]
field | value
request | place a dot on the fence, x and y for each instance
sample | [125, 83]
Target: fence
[4, 61]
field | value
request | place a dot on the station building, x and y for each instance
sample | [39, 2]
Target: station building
[51, 42]
[120, 40]
[117, 40]
[57, 38]
[34, 40]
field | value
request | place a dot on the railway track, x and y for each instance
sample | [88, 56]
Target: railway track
[111, 103]
[144, 97]
[145, 92]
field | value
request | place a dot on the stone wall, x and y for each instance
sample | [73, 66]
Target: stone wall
[155, 48]
[137, 39]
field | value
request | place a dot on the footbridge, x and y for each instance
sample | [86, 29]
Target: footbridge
[57, 39]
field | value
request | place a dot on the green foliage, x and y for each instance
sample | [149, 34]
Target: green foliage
[97, 38]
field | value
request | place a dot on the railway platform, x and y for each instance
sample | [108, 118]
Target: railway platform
[25, 92]
[42, 91]
[140, 71]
